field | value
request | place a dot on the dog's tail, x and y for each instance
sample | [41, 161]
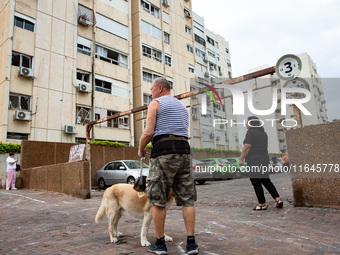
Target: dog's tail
[101, 211]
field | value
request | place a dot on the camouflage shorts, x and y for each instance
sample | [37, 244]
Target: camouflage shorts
[172, 171]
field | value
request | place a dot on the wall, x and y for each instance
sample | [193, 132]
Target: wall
[38, 154]
[312, 145]
[68, 178]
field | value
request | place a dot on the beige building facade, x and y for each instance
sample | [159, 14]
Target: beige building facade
[65, 63]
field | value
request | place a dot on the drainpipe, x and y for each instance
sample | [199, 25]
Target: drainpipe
[93, 69]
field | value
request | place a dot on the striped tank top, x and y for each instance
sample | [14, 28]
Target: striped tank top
[172, 117]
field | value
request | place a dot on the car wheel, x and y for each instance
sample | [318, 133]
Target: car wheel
[101, 183]
[201, 182]
[131, 180]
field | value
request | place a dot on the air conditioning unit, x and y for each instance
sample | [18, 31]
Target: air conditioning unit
[205, 59]
[188, 15]
[195, 117]
[206, 74]
[212, 135]
[84, 87]
[218, 138]
[26, 72]
[68, 129]
[84, 20]
[166, 3]
[22, 115]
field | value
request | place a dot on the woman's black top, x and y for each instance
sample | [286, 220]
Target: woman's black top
[258, 139]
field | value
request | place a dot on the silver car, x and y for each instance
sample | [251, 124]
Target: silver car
[122, 171]
[201, 172]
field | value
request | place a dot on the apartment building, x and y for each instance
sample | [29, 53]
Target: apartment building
[162, 47]
[212, 66]
[65, 63]
[262, 98]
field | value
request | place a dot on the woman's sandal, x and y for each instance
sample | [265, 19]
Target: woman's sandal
[260, 208]
[279, 204]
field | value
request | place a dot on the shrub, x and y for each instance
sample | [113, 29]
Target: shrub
[107, 143]
[8, 147]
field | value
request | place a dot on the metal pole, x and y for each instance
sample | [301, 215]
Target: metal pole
[233, 81]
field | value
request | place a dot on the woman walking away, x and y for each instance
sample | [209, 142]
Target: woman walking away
[255, 152]
[11, 175]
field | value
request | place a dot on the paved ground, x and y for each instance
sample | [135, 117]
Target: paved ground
[33, 222]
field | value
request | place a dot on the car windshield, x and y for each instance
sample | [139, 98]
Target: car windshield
[134, 164]
[223, 161]
[208, 161]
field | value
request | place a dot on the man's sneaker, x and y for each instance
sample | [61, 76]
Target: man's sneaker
[192, 248]
[158, 249]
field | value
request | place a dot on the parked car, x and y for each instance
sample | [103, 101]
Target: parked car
[201, 171]
[122, 171]
[220, 167]
[240, 170]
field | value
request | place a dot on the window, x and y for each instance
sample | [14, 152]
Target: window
[191, 69]
[151, 30]
[83, 114]
[187, 13]
[83, 76]
[19, 102]
[226, 50]
[111, 56]
[200, 40]
[112, 26]
[152, 53]
[21, 60]
[166, 38]
[150, 8]
[168, 60]
[190, 48]
[187, 29]
[103, 86]
[211, 54]
[24, 22]
[121, 122]
[149, 77]
[166, 18]
[200, 53]
[84, 46]
[211, 41]
[17, 136]
[170, 82]
[212, 66]
[147, 99]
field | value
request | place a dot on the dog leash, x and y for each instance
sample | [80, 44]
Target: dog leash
[141, 194]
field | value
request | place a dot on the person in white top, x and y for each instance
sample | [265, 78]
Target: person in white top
[11, 168]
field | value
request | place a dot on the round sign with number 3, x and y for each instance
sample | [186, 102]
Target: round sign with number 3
[288, 67]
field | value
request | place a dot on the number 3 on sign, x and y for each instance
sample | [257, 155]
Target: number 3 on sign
[288, 67]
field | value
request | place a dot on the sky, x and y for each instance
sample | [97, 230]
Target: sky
[260, 32]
